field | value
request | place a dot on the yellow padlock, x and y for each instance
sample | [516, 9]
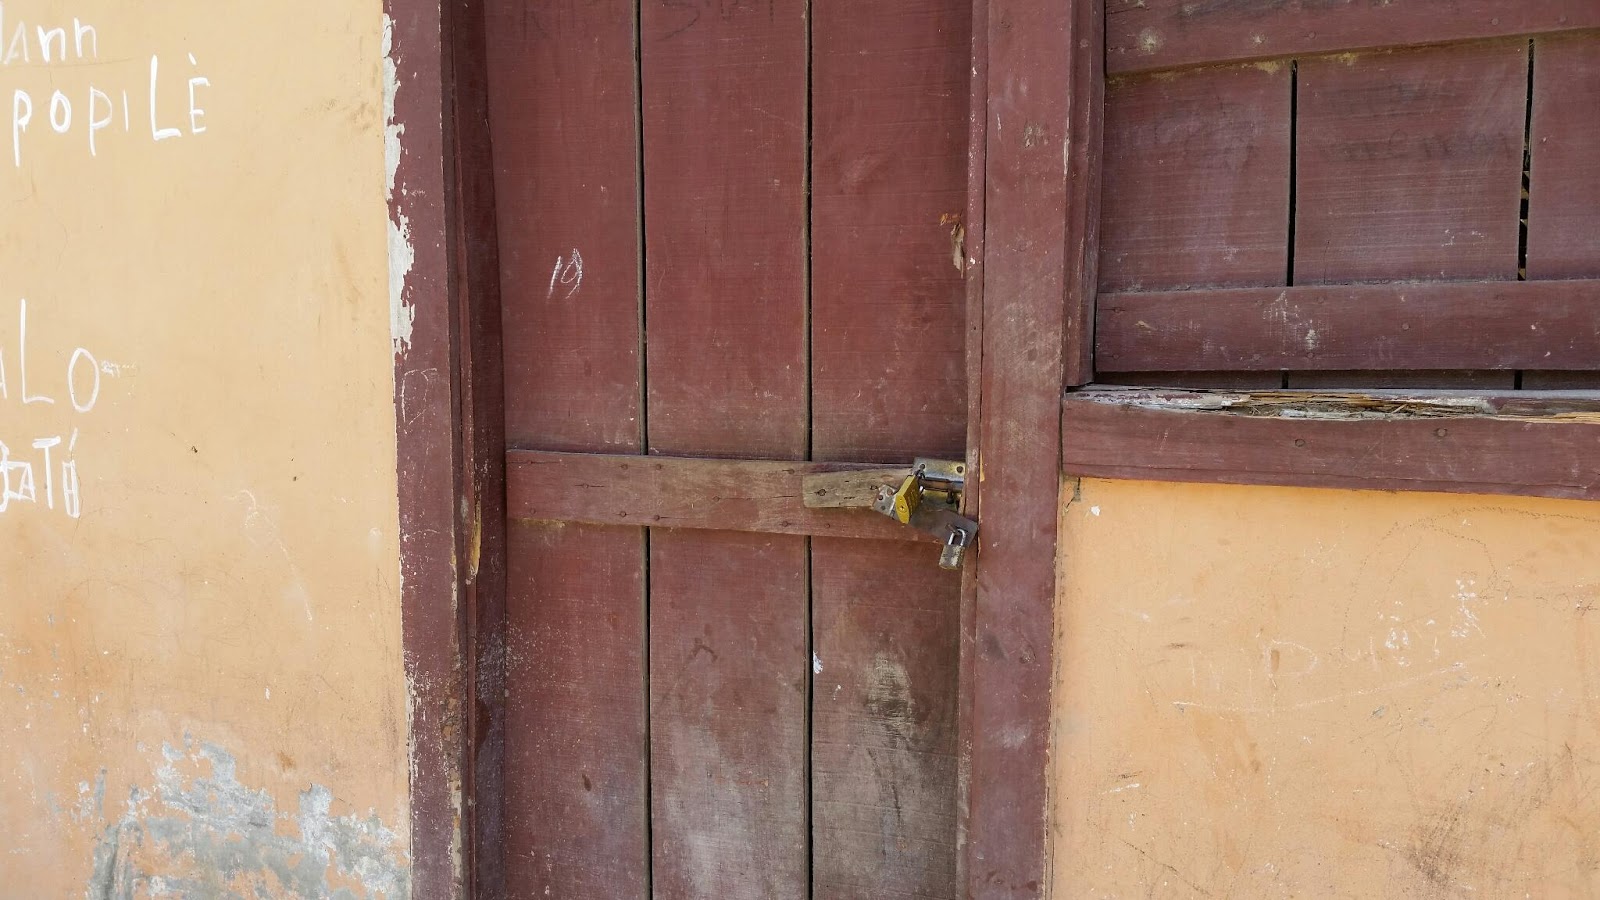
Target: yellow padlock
[908, 498]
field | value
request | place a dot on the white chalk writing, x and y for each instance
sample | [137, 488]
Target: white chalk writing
[89, 114]
[42, 470]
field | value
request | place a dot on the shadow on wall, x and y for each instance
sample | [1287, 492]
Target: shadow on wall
[205, 835]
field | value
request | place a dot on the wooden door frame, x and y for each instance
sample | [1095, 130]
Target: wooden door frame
[1038, 74]
[449, 431]
[1030, 275]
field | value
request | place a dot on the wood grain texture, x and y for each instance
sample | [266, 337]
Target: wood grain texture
[889, 325]
[1159, 34]
[1085, 159]
[1031, 57]
[724, 98]
[888, 317]
[1110, 437]
[1564, 179]
[481, 378]
[884, 727]
[728, 677]
[725, 133]
[971, 501]
[566, 152]
[562, 92]
[429, 467]
[1410, 164]
[1482, 325]
[1196, 180]
[676, 492]
[575, 792]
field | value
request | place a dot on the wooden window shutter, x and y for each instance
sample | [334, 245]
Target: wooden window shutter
[1348, 244]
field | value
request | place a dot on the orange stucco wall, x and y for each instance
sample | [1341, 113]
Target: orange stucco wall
[1270, 692]
[201, 683]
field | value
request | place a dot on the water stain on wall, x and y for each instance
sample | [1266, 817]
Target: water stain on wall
[199, 832]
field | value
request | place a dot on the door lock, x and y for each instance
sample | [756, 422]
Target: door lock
[927, 498]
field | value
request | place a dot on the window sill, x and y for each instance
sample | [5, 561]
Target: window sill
[1529, 443]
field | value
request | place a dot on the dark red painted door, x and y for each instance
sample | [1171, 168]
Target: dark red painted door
[729, 230]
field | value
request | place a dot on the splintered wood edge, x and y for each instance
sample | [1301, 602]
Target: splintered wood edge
[1449, 441]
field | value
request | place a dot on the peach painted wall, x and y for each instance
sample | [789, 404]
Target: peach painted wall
[1271, 692]
[201, 683]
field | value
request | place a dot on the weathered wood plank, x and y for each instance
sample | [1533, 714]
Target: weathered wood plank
[729, 666]
[1196, 187]
[1085, 162]
[1032, 271]
[1469, 325]
[481, 375]
[725, 227]
[1485, 446]
[428, 413]
[725, 132]
[1159, 34]
[884, 726]
[562, 95]
[677, 492]
[566, 152]
[889, 319]
[1564, 182]
[1410, 164]
[576, 804]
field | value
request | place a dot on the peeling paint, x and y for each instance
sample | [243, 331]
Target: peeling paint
[402, 253]
[208, 835]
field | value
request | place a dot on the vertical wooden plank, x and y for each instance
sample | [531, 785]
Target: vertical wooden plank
[725, 226]
[728, 673]
[725, 131]
[562, 91]
[884, 751]
[1410, 164]
[1085, 153]
[575, 706]
[1564, 180]
[890, 113]
[889, 200]
[428, 458]
[1032, 49]
[1197, 180]
[482, 432]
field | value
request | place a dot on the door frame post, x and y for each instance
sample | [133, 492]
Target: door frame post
[450, 447]
[1038, 89]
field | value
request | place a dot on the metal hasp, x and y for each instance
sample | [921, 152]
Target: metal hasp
[929, 500]
[926, 496]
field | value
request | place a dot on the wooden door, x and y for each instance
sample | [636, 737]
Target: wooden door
[731, 254]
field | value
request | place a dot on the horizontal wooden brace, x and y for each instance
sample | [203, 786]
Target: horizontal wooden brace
[1530, 443]
[1143, 35]
[1545, 325]
[679, 492]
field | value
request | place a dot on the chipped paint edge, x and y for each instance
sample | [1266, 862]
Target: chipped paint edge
[402, 252]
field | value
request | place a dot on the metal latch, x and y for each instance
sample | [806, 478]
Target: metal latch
[927, 498]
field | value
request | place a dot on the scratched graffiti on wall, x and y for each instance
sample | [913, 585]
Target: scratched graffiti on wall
[133, 100]
[41, 470]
